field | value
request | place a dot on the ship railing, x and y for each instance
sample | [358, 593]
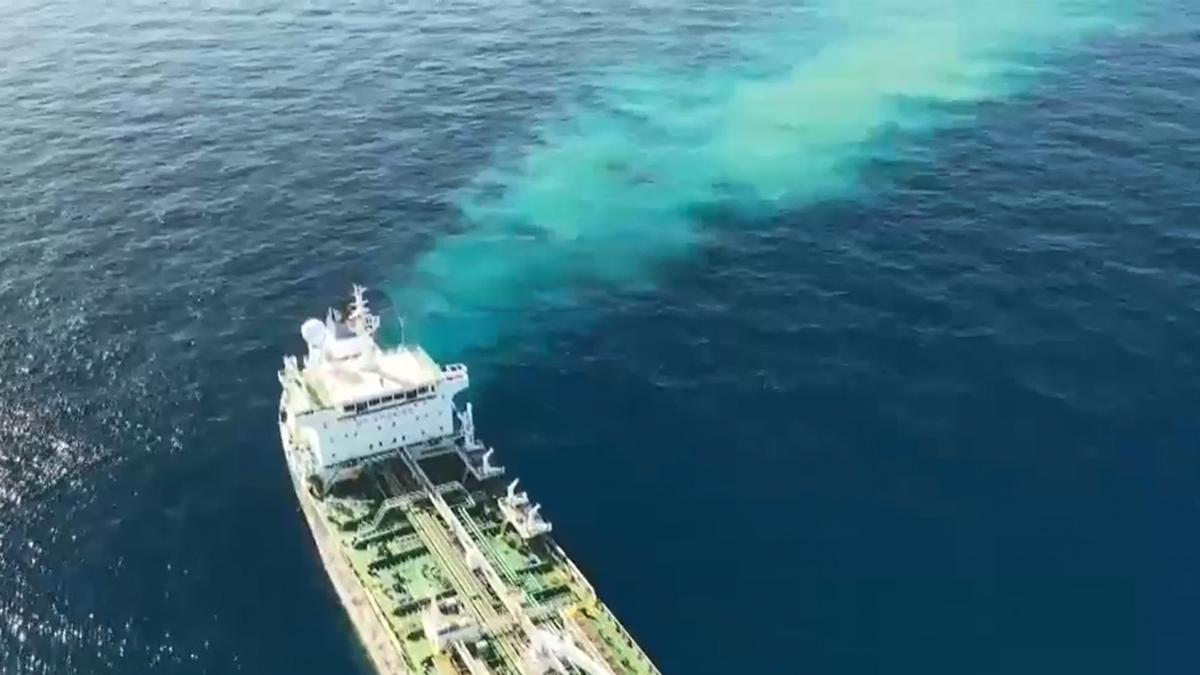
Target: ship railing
[380, 614]
[615, 623]
[400, 502]
[448, 487]
[581, 637]
[391, 504]
[575, 572]
[363, 539]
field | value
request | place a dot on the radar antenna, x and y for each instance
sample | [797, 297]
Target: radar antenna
[361, 321]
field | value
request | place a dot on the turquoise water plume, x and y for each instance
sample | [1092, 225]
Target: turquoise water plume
[616, 181]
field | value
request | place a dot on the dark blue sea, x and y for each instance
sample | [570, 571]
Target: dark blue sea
[837, 337]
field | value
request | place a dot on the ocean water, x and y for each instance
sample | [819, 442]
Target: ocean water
[838, 336]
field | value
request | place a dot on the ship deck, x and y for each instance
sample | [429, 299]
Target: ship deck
[411, 531]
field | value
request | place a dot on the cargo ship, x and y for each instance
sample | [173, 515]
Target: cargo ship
[444, 565]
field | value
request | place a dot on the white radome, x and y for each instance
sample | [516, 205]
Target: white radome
[313, 331]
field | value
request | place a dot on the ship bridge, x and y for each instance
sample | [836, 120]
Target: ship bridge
[352, 399]
[360, 379]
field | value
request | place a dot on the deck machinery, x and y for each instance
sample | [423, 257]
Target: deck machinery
[443, 563]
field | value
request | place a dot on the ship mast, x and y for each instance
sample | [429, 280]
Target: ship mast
[361, 321]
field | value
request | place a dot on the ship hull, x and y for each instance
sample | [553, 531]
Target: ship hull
[375, 637]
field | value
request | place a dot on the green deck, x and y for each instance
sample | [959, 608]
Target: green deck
[406, 556]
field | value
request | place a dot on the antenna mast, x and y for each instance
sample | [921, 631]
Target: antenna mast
[361, 320]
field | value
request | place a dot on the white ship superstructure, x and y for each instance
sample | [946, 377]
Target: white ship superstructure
[443, 568]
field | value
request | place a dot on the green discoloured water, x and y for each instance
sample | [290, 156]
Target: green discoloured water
[621, 179]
